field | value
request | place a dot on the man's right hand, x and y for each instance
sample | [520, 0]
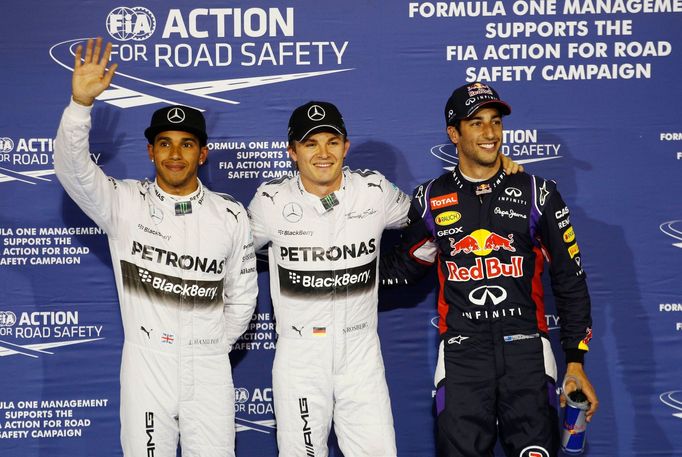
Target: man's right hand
[91, 77]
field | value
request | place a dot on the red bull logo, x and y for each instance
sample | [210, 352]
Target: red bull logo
[489, 268]
[585, 341]
[481, 242]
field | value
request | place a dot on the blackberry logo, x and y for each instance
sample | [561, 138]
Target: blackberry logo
[294, 278]
[145, 276]
[136, 23]
[7, 318]
[171, 288]
[345, 280]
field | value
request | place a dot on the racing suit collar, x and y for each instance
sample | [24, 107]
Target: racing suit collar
[316, 201]
[475, 187]
[165, 199]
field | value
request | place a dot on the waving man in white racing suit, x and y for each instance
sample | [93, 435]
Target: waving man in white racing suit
[185, 274]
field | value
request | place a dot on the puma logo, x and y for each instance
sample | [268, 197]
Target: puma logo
[271, 197]
[147, 332]
[232, 212]
[371, 184]
[299, 331]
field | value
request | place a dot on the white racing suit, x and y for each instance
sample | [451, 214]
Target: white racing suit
[187, 289]
[323, 280]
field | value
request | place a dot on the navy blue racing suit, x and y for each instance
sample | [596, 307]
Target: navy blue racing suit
[496, 370]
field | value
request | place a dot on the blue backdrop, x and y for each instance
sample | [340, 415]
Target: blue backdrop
[596, 98]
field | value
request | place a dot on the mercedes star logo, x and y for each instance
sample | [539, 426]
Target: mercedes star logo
[479, 295]
[176, 115]
[316, 113]
[292, 212]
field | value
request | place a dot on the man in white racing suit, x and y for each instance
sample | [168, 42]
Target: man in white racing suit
[323, 228]
[185, 273]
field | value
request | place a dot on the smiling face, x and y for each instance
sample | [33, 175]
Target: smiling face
[478, 141]
[177, 156]
[320, 161]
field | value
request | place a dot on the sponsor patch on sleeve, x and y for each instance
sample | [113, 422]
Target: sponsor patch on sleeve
[443, 201]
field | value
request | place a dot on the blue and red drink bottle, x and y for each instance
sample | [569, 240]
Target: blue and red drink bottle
[575, 423]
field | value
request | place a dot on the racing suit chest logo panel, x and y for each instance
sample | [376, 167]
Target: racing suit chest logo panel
[481, 243]
[295, 282]
[327, 282]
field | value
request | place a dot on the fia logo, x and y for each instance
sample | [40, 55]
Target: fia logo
[136, 23]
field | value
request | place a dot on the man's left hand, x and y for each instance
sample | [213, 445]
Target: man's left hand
[576, 370]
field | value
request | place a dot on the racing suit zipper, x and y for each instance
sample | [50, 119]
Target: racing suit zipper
[495, 326]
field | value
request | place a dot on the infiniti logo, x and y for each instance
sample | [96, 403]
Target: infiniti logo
[292, 212]
[316, 113]
[176, 115]
[512, 192]
[480, 295]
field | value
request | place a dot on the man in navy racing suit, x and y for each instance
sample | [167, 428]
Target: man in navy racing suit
[185, 273]
[489, 233]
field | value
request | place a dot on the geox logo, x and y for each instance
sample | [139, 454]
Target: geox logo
[149, 430]
[307, 431]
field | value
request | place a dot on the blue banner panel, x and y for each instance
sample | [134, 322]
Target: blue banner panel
[596, 96]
